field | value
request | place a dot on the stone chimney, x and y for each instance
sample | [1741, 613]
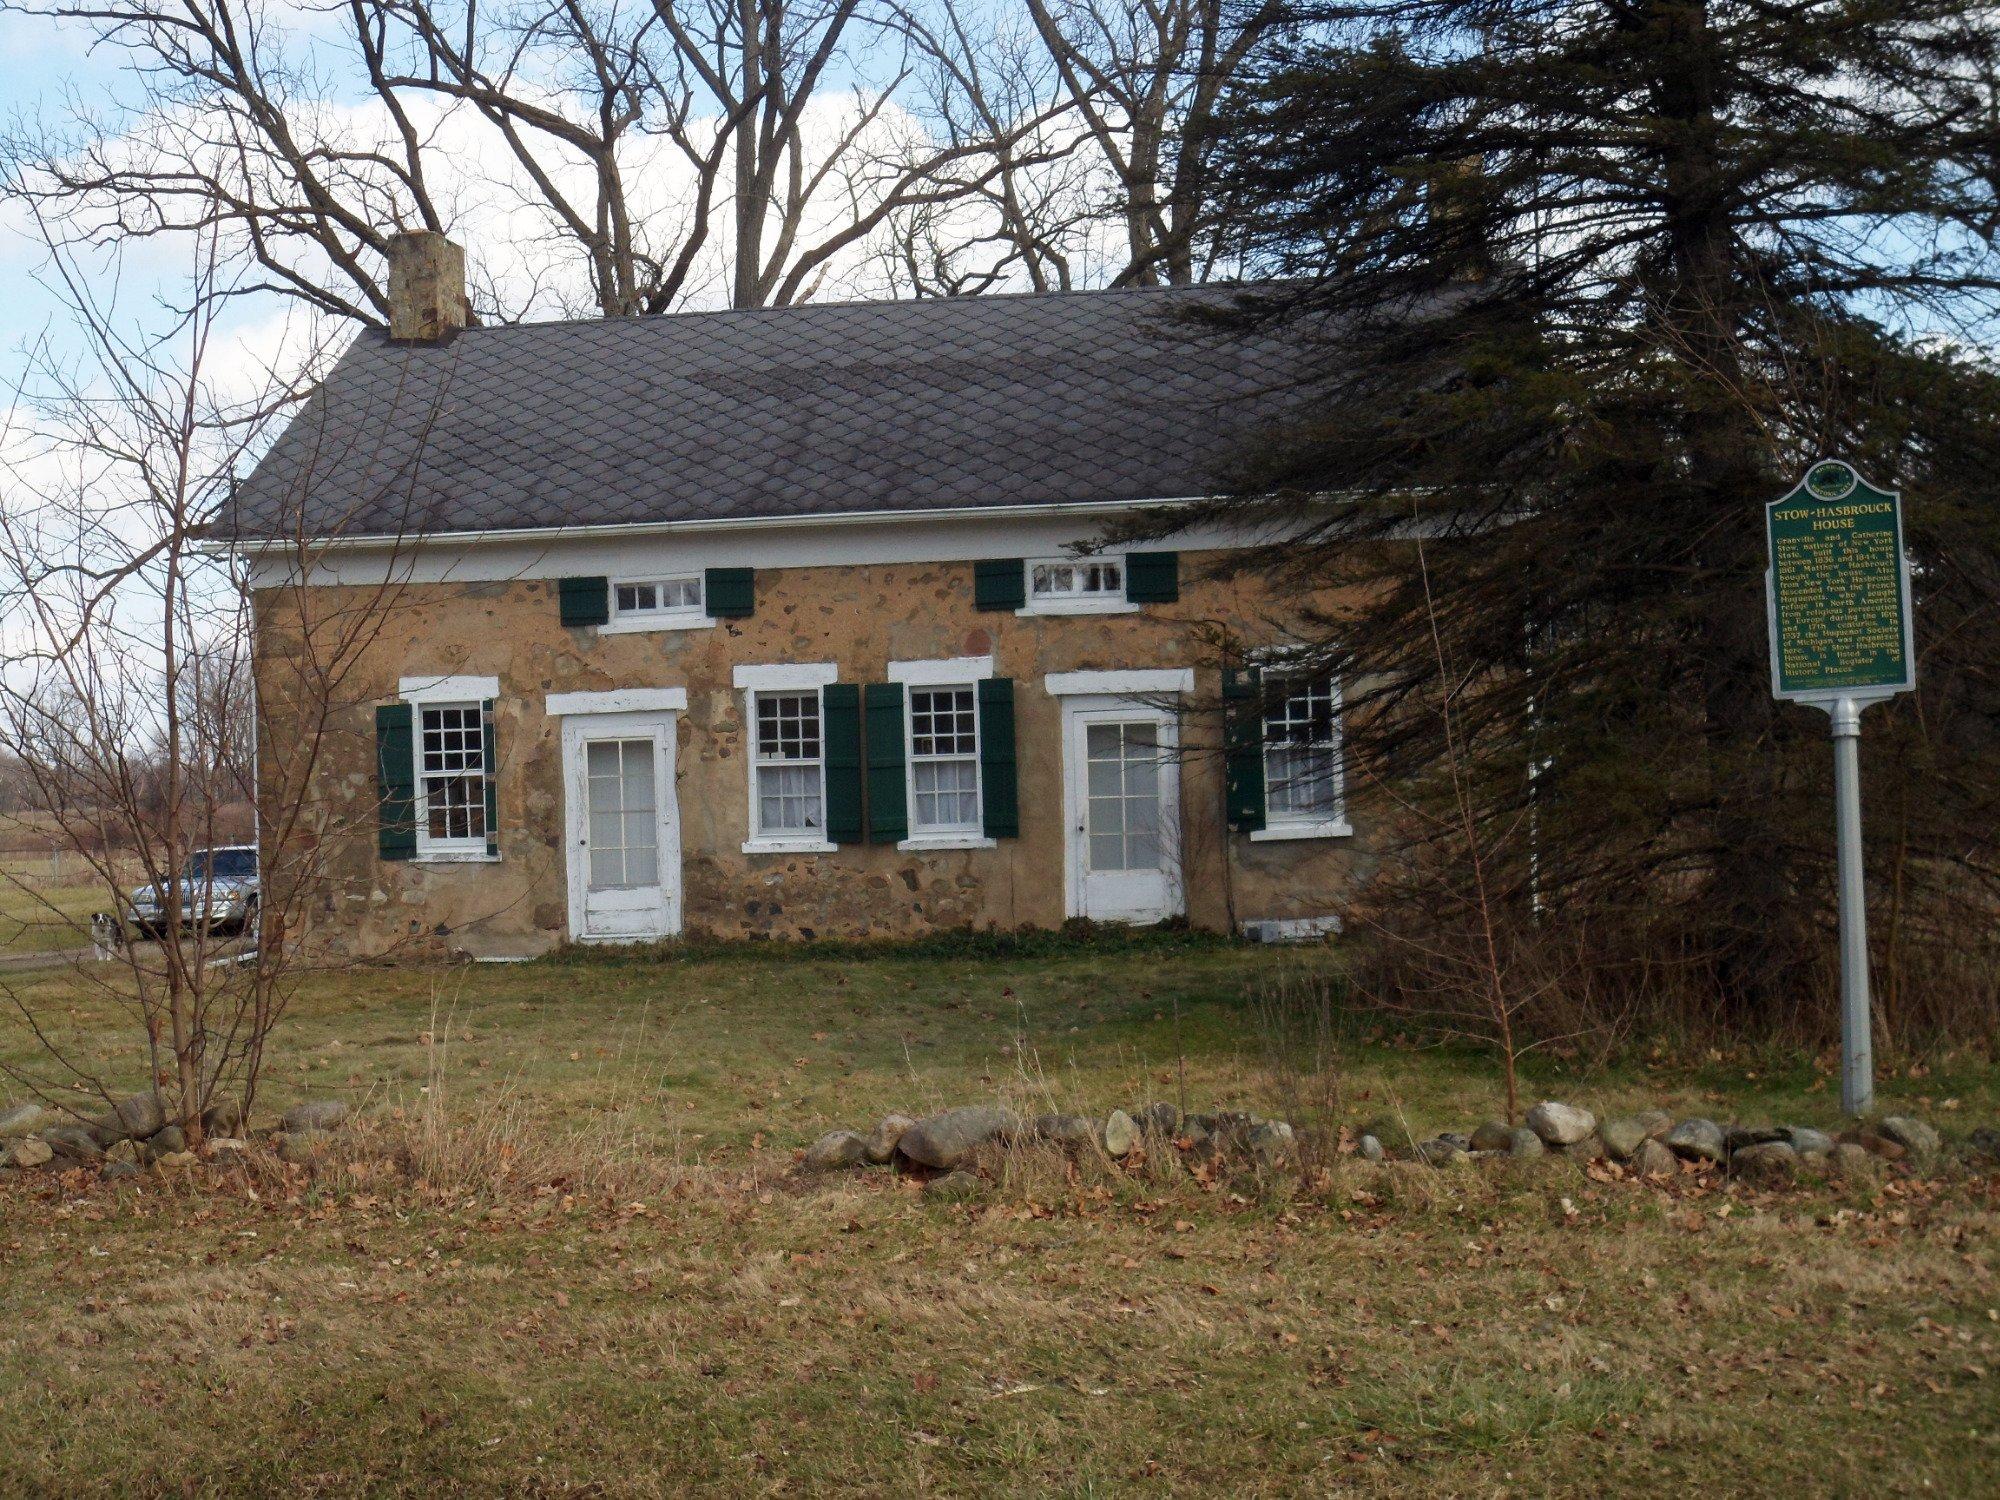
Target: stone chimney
[426, 288]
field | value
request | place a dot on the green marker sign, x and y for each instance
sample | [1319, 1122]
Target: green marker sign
[1839, 589]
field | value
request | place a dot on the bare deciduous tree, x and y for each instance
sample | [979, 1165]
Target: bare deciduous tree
[127, 701]
[1145, 78]
[667, 149]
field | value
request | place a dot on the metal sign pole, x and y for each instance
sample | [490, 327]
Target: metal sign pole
[1857, 1051]
[1838, 593]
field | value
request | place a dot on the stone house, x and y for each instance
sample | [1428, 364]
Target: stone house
[792, 623]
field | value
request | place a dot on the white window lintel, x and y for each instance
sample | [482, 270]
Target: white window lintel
[619, 701]
[1131, 682]
[781, 677]
[949, 671]
[447, 689]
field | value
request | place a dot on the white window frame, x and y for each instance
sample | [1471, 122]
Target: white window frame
[790, 678]
[680, 618]
[1279, 827]
[949, 672]
[444, 692]
[1077, 604]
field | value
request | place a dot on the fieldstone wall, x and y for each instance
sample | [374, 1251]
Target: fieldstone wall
[860, 617]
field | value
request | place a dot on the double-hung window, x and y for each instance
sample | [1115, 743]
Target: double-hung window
[451, 784]
[944, 761]
[1076, 585]
[1303, 787]
[787, 754]
[450, 743]
[942, 752]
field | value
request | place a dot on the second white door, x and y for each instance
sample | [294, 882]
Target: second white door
[1122, 794]
[623, 827]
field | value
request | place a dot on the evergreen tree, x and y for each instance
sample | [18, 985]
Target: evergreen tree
[1584, 284]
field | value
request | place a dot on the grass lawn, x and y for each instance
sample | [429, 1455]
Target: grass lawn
[42, 914]
[584, 1261]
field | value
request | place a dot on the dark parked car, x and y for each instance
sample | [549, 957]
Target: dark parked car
[218, 888]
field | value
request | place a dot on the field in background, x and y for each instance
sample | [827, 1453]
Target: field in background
[610, 1276]
[46, 901]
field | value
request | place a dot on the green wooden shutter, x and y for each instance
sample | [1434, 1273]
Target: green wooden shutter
[730, 593]
[1153, 577]
[888, 787]
[1243, 752]
[584, 601]
[840, 708]
[395, 782]
[489, 750]
[1000, 801]
[999, 583]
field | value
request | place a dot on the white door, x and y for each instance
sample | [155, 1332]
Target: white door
[1121, 789]
[623, 827]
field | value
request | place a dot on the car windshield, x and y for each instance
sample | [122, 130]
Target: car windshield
[222, 864]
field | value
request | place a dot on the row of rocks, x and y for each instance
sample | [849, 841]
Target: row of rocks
[1654, 1144]
[948, 1141]
[134, 1134]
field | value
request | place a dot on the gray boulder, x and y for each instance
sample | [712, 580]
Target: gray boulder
[1065, 1130]
[116, 1167]
[127, 1150]
[1272, 1142]
[1765, 1161]
[1697, 1140]
[1438, 1151]
[884, 1138]
[953, 1187]
[1561, 1124]
[1368, 1148]
[136, 1116]
[1736, 1137]
[1625, 1135]
[1653, 1159]
[1524, 1145]
[173, 1138]
[836, 1151]
[30, 1152]
[315, 1114]
[1590, 1148]
[1121, 1133]
[1913, 1135]
[948, 1138]
[1807, 1141]
[72, 1142]
[19, 1119]
[1158, 1118]
[1853, 1163]
[1494, 1135]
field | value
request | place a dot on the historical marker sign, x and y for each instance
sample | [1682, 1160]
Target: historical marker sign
[1839, 588]
[1839, 594]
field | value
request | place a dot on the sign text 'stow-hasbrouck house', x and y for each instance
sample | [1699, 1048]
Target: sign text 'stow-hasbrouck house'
[1839, 591]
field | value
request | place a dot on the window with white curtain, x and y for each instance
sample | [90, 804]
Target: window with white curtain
[944, 760]
[790, 766]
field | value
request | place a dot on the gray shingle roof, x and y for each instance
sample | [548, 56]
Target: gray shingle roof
[877, 406]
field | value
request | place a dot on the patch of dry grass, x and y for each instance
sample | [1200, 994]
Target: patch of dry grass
[565, 1250]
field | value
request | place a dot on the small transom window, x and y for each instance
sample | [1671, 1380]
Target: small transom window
[657, 598]
[1085, 578]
